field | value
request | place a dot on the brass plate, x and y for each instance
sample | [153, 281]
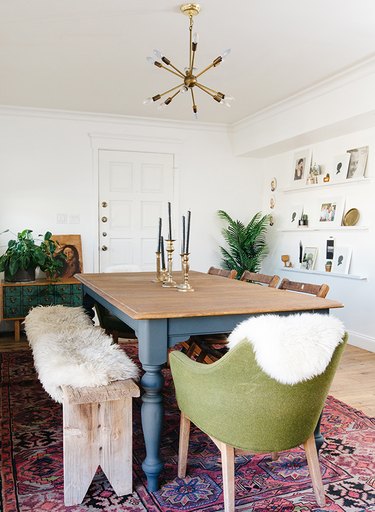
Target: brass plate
[351, 217]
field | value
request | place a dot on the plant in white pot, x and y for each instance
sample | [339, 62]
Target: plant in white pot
[23, 255]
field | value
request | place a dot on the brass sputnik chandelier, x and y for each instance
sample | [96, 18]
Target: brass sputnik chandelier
[190, 77]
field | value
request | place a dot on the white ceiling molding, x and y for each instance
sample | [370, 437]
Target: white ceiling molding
[340, 105]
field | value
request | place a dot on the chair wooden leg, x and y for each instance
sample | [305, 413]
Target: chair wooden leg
[227, 462]
[274, 456]
[183, 445]
[314, 468]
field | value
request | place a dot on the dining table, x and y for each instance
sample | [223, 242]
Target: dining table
[164, 316]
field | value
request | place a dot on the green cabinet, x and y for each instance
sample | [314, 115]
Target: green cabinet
[18, 298]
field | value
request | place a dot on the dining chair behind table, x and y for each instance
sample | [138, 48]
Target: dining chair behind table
[231, 274]
[200, 347]
[110, 323]
[319, 290]
[294, 393]
[264, 279]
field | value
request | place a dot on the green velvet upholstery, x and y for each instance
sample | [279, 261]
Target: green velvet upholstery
[234, 401]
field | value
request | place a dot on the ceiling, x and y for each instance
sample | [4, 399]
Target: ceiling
[90, 55]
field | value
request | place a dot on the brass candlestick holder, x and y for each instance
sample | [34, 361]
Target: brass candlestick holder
[159, 275]
[168, 281]
[185, 286]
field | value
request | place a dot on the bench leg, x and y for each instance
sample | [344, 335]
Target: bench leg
[97, 434]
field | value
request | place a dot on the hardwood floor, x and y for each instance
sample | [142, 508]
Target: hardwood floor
[354, 381]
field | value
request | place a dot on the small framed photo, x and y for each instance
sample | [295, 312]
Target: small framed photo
[341, 260]
[331, 212]
[301, 166]
[339, 167]
[294, 215]
[357, 162]
[309, 258]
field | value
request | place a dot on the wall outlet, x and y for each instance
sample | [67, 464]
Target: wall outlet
[74, 219]
[61, 218]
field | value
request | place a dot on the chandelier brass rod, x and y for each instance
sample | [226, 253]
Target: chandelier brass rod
[178, 71]
[191, 44]
[213, 64]
[204, 89]
[204, 70]
[170, 90]
[208, 88]
[193, 100]
[179, 74]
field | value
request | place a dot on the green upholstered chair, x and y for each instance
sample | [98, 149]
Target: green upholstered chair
[240, 406]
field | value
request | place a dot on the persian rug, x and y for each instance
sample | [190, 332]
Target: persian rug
[32, 460]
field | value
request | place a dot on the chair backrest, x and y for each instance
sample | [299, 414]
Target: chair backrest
[320, 290]
[231, 274]
[254, 277]
[256, 412]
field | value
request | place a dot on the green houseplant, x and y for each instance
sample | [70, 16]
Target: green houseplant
[23, 255]
[246, 243]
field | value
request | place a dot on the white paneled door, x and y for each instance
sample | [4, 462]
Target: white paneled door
[134, 190]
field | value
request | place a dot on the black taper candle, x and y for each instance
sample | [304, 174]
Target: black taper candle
[162, 253]
[183, 235]
[300, 252]
[159, 235]
[169, 222]
[188, 232]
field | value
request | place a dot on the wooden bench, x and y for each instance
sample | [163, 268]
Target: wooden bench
[97, 430]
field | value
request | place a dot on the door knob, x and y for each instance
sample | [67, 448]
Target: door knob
[104, 219]
[104, 247]
[104, 204]
[104, 233]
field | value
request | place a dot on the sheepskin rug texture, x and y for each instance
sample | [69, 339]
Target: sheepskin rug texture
[293, 348]
[69, 350]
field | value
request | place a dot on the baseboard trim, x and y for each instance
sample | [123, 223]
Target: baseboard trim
[361, 341]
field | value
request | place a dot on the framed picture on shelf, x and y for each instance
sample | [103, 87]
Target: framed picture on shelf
[301, 166]
[341, 260]
[294, 215]
[339, 167]
[309, 258]
[357, 162]
[331, 212]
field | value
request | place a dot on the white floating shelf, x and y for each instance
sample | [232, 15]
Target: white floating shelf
[329, 184]
[323, 273]
[333, 228]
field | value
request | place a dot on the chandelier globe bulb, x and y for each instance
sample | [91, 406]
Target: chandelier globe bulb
[225, 53]
[157, 54]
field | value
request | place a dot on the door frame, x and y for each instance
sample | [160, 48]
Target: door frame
[131, 143]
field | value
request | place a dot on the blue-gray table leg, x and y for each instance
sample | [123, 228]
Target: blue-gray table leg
[153, 342]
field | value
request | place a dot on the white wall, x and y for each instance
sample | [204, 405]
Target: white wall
[47, 166]
[358, 296]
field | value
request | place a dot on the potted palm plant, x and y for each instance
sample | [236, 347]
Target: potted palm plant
[246, 243]
[23, 255]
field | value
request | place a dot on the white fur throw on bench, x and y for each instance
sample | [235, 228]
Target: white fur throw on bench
[293, 348]
[68, 350]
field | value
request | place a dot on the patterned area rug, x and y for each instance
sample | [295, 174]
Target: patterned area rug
[32, 471]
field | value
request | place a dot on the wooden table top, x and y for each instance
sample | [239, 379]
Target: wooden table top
[135, 294]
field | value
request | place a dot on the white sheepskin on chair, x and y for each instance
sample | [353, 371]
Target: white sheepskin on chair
[293, 348]
[69, 350]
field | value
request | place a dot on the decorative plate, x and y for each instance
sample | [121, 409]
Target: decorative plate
[351, 217]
